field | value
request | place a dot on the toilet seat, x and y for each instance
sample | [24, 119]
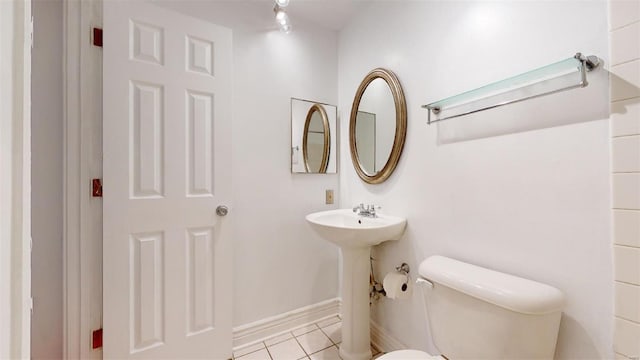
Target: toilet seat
[409, 355]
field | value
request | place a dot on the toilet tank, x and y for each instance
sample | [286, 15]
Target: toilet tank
[477, 313]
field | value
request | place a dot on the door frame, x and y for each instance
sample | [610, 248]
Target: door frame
[16, 34]
[82, 161]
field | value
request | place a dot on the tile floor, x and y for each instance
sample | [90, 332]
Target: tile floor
[319, 341]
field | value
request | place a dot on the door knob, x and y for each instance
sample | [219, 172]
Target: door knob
[222, 210]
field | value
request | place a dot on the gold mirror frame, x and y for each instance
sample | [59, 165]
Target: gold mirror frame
[401, 125]
[327, 138]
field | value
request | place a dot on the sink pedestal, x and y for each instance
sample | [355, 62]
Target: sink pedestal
[356, 339]
[355, 235]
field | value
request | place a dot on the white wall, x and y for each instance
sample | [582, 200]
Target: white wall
[47, 180]
[625, 145]
[529, 193]
[276, 255]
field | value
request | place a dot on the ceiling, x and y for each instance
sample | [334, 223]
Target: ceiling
[258, 14]
[332, 14]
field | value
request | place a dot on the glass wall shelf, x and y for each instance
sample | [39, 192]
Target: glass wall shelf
[564, 75]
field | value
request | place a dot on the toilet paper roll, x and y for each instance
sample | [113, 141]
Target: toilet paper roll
[397, 285]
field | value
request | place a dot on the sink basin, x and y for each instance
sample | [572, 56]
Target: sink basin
[355, 235]
[347, 229]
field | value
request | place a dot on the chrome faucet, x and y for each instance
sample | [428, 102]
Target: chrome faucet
[368, 210]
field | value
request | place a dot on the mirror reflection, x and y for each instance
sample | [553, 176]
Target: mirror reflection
[313, 137]
[377, 126]
[315, 140]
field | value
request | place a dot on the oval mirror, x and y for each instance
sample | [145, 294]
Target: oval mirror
[377, 126]
[315, 140]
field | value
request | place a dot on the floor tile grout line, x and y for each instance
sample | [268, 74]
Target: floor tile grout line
[328, 347]
[296, 340]
[293, 336]
[251, 352]
[268, 352]
[336, 317]
[279, 342]
[314, 324]
[301, 347]
[318, 328]
[329, 337]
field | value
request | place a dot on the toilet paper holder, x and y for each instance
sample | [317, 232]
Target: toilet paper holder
[397, 285]
[404, 268]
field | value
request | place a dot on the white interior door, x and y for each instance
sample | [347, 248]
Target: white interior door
[167, 130]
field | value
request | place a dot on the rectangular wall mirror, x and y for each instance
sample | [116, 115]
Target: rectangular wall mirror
[313, 137]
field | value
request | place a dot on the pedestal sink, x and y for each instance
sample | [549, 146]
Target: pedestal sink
[355, 234]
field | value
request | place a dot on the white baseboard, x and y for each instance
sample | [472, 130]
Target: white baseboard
[260, 330]
[382, 340]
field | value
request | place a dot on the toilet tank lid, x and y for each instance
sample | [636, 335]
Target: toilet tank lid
[504, 290]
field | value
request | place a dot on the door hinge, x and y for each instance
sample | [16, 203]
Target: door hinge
[97, 37]
[31, 305]
[96, 342]
[31, 32]
[96, 188]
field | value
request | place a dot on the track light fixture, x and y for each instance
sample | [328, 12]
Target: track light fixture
[281, 16]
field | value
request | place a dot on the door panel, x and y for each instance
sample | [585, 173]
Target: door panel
[167, 121]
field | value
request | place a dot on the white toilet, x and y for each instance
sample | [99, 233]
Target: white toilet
[477, 313]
